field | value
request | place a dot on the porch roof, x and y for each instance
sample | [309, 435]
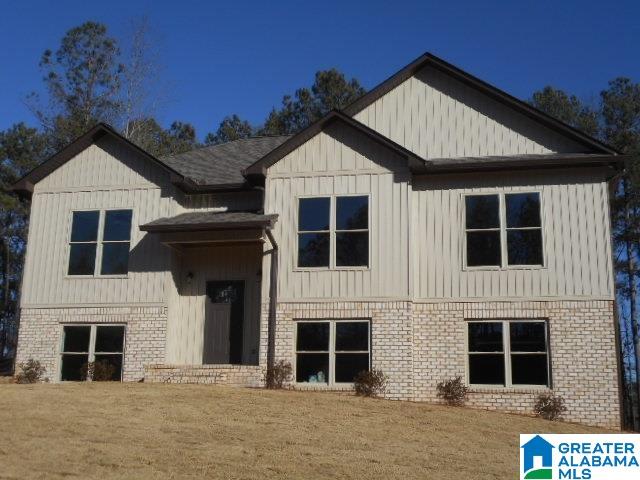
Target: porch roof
[204, 221]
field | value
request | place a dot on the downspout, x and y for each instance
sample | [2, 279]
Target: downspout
[273, 299]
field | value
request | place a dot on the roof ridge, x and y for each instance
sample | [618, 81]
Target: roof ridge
[204, 147]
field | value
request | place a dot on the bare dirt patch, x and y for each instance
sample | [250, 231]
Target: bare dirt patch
[155, 431]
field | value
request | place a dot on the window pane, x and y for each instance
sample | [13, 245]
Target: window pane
[72, 367]
[76, 339]
[313, 249]
[483, 249]
[352, 249]
[117, 225]
[527, 337]
[524, 247]
[313, 336]
[523, 210]
[84, 227]
[348, 365]
[82, 258]
[313, 214]
[352, 213]
[486, 369]
[352, 336]
[108, 368]
[529, 369]
[109, 338]
[115, 258]
[312, 367]
[485, 337]
[482, 211]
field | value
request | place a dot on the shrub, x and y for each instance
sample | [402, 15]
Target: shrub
[276, 376]
[549, 406]
[30, 372]
[453, 391]
[100, 371]
[370, 383]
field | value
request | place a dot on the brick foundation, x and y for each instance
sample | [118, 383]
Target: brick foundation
[145, 337]
[232, 375]
[420, 344]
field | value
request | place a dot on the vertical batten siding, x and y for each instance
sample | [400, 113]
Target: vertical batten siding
[185, 329]
[576, 244]
[46, 282]
[339, 162]
[437, 116]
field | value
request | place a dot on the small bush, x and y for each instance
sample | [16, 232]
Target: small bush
[550, 406]
[453, 391]
[30, 372]
[276, 376]
[100, 371]
[370, 383]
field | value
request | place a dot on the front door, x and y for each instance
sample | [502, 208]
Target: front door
[224, 319]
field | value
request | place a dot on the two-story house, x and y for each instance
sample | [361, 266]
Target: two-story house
[437, 227]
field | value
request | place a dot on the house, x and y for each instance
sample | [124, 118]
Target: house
[437, 227]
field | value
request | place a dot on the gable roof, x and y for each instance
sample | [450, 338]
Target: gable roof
[428, 59]
[223, 164]
[260, 167]
[214, 168]
[100, 130]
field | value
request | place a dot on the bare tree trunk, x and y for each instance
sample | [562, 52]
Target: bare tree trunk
[631, 286]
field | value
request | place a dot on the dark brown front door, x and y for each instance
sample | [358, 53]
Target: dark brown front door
[232, 293]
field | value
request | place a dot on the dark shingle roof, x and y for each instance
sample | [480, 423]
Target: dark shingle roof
[222, 164]
[192, 221]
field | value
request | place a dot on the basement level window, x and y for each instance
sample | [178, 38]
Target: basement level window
[100, 242]
[92, 352]
[503, 230]
[332, 352]
[508, 353]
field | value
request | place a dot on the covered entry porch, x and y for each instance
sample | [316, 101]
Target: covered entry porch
[215, 291]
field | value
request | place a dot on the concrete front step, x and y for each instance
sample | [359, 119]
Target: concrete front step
[233, 375]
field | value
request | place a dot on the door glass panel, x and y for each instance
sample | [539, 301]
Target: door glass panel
[312, 367]
[109, 338]
[76, 338]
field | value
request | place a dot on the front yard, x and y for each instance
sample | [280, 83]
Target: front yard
[156, 431]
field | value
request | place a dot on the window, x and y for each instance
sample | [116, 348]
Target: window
[499, 236]
[84, 344]
[331, 352]
[109, 243]
[508, 353]
[313, 232]
[333, 231]
[83, 244]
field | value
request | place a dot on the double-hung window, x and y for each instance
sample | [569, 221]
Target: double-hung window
[101, 346]
[503, 230]
[100, 242]
[508, 353]
[333, 231]
[332, 351]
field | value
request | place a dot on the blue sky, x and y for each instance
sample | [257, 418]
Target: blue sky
[242, 57]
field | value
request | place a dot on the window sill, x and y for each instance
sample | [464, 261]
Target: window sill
[323, 386]
[504, 269]
[499, 389]
[97, 277]
[331, 269]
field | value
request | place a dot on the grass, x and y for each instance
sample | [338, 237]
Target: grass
[153, 431]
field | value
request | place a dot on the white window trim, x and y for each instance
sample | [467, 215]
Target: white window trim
[506, 352]
[92, 344]
[502, 216]
[332, 233]
[102, 213]
[332, 350]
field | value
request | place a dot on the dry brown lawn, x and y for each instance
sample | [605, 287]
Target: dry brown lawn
[146, 431]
